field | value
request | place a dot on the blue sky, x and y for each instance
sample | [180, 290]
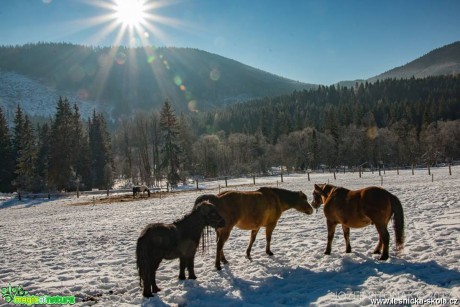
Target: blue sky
[320, 42]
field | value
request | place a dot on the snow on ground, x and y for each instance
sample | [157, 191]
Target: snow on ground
[56, 248]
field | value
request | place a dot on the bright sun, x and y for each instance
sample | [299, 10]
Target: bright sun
[130, 12]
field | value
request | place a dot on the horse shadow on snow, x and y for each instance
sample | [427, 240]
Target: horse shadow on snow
[301, 286]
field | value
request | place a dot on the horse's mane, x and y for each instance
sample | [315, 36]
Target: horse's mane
[205, 232]
[285, 195]
[336, 188]
[185, 217]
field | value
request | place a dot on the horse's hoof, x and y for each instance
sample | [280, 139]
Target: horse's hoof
[383, 257]
[182, 277]
[327, 253]
[155, 289]
[192, 277]
[270, 253]
[249, 257]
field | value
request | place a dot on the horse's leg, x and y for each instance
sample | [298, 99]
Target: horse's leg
[346, 235]
[268, 235]
[223, 235]
[251, 241]
[190, 267]
[330, 235]
[385, 240]
[378, 248]
[182, 266]
[156, 264]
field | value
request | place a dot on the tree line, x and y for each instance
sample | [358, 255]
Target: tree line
[391, 122]
[387, 123]
[64, 154]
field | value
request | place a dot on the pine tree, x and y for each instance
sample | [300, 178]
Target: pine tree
[43, 152]
[155, 139]
[17, 132]
[170, 151]
[60, 170]
[6, 152]
[186, 141]
[81, 162]
[27, 178]
[100, 149]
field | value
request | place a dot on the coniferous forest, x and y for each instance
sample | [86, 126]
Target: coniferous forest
[390, 123]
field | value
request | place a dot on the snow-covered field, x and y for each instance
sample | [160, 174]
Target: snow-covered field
[56, 248]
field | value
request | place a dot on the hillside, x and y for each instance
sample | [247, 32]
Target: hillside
[129, 79]
[441, 61]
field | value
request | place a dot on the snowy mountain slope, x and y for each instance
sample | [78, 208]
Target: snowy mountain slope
[52, 247]
[37, 99]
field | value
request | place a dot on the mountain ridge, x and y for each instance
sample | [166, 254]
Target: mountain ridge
[119, 81]
[444, 60]
[130, 79]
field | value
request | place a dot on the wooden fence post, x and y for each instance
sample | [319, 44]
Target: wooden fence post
[308, 174]
[226, 181]
[254, 179]
[413, 169]
[450, 170]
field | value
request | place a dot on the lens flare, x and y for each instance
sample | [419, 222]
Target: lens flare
[372, 132]
[214, 75]
[192, 106]
[177, 80]
[120, 58]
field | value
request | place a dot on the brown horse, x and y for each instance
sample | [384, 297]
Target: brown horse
[252, 210]
[356, 209]
[169, 241]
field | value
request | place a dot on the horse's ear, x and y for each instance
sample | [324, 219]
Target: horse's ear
[320, 190]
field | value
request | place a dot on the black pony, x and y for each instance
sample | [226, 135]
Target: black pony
[169, 241]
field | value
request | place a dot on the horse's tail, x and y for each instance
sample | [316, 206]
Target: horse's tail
[398, 221]
[143, 262]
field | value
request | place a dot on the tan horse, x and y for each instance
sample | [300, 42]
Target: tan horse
[356, 209]
[252, 210]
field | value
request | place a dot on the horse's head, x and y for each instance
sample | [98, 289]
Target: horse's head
[302, 204]
[320, 194]
[210, 214]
